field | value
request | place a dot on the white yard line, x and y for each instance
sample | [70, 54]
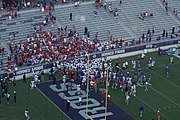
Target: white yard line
[164, 96]
[175, 69]
[33, 108]
[38, 112]
[151, 107]
[166, 80]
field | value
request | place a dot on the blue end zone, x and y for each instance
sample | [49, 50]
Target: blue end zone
[59, 95]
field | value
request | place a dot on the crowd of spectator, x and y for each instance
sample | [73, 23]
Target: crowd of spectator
[46, 47]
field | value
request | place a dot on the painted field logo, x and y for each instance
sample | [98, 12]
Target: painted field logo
[58, 94]
[95, 108]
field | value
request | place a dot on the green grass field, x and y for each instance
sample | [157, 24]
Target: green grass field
[163, 95]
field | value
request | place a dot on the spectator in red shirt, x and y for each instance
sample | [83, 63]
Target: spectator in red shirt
[102, 96]
[158, 115]
[13, 6]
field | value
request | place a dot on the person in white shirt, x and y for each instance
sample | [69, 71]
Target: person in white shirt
[127, 99]
[76, 3]
[64, 79]
[26, 114]
[8, 97]
[134, 90]
[33, 85]
[78, 89]
[142, 56]
[124, 66]
[28, 4]
[92, 84]
[84, 80]
[80, 100]
[42, 9]
[146, 86]
[36, 80]
[126, 63]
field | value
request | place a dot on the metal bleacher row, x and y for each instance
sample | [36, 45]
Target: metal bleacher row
[21, 26]
[127, 26]
[175, 4]
[130, 10]
[83, 16]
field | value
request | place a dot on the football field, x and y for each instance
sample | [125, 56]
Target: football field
[163, 95]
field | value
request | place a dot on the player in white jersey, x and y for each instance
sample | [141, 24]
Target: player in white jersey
[146, 86]
[134, 90]
[84, 79]
[78, 89]
[26, 114]
[80, 100]
[64, 79]
[127, 99]
[131, 91]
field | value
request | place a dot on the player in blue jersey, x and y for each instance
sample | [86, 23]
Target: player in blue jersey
[167, 71]
[141, 110]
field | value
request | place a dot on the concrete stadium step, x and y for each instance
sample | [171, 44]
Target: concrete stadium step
[94, 24]
[132, 10]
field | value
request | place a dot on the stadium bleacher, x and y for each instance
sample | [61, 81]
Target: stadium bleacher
[127, 26]
[83, 17]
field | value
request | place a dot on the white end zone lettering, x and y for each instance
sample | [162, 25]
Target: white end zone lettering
[94, 105]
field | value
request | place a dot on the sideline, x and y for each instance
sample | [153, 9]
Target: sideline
[22, 98]
[53, 103]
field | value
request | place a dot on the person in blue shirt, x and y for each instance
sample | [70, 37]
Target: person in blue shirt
[14, 81]
[120, 74]
[144, 80]
[167, 71]
[1, 77]
[141, 110]
[133, 81]
[128, 74]
[140, 77]
[135, 75]
[103, 86]
[125, 82]
[50, 75]
[121, 79]
[42, 1]
[149, 78]
[95, 13]
[149, 64]
[139, 63]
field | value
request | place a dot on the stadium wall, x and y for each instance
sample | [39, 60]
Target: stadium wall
[140, 52]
